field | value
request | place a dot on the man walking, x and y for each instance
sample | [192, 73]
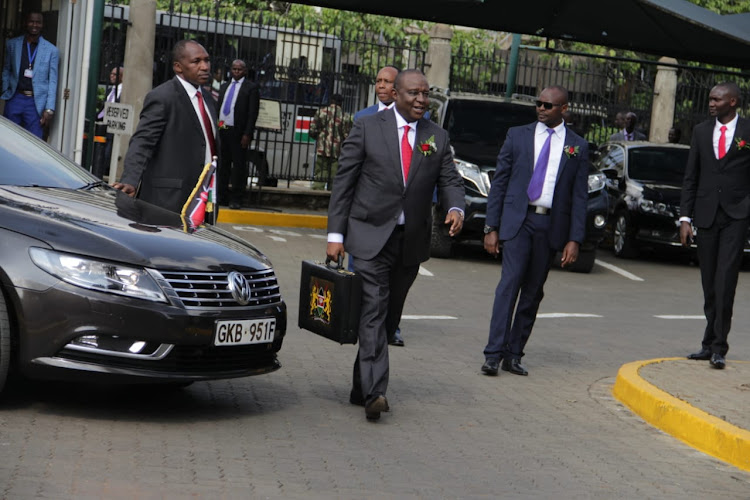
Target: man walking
[716, 195]
[329, 128]
[380, 211]
[629, 133]
[535, 209]
[176, 134]
[30, 78]
[239, 102]
[384, 81]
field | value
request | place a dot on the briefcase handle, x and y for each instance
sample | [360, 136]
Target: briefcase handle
[335, 264]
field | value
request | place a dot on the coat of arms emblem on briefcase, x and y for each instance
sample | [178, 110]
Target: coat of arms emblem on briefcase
[320, 300]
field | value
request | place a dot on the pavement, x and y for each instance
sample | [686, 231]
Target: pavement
[701, 406]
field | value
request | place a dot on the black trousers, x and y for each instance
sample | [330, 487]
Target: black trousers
[233, 168]
[720, 250]
[385, 284]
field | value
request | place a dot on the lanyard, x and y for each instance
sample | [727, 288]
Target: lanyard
[28, 51]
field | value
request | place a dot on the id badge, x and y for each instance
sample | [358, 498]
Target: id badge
[28, 73]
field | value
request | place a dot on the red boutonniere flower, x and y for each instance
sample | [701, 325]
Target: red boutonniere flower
[571, 151]
[428, 147]
[222, 125]
[742, 144]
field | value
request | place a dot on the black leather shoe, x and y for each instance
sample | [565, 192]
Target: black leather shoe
[397, 340]
[356, 398]
[490, 366]
[702, 354]
[514, 366]
[376, 406]
[718, 361]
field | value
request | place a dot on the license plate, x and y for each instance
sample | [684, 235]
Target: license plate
[245, 331]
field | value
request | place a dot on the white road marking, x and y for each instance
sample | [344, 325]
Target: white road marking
[418, 316]
[282, 232]
[678, 316]
[425, 272]
[276, 238]
[248, 228]
[319, 236]
[617, 270]
[568, 315]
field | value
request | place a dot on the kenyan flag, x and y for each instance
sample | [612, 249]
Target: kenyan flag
[302, 129]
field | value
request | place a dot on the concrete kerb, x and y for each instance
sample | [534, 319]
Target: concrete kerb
[691, 425]
[252, 218]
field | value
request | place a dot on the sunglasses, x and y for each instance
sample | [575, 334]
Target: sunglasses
[546, 105]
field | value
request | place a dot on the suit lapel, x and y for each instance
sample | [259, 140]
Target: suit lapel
[389, 130]
[530, 148]
[423, 133]
[187, 104]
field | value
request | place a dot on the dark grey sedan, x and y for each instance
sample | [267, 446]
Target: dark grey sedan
[97, 286]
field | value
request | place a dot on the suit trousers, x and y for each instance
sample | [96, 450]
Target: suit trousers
[527, 259]
[233, 167]
[385, 284]
[720, 249]
[21, 110]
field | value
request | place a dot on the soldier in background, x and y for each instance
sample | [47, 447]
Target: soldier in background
[329, 128]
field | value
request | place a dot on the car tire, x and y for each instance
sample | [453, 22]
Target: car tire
[585, 262]
[441, 243]
[623, 240]
[4, 342]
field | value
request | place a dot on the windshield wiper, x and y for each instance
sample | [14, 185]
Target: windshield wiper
[92, 185]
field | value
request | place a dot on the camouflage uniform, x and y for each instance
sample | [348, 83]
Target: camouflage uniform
[329, 128]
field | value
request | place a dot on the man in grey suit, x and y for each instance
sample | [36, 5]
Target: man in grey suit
[716, 195]
[176, 135]
[629, 133]
[380, 211]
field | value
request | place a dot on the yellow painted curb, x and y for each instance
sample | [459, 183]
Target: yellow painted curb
[687, 423]
[272, 219]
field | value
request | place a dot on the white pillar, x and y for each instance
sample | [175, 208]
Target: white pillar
[662, 108]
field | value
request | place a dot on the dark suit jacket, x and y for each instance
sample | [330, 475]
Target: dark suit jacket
[167, 151]
[369, 193]
[619, 136]
[508, 202]
[710, 183]
[370, 110]
[246, 107]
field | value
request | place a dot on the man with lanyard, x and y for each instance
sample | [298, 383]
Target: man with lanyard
[30, 78]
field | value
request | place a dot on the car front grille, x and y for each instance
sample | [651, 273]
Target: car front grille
[202, 290]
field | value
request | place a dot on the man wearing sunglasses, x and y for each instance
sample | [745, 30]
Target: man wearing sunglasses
[536, 206]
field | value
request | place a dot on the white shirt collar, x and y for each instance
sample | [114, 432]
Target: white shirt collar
[189, 88]
[400, 121]
[541, 128]
[382, 106]
[730, 126]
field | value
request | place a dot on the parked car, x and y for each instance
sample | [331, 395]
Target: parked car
[98, 286]
[644, 181]
[477, 126]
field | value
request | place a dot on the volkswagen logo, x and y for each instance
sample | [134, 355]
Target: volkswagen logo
[239, 287]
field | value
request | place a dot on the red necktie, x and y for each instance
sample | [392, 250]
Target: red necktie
[722, 142]
[206, 123]
[406, 152]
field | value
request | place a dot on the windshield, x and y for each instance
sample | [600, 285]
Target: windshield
[485, 122]
[657, 164]
[27, 161]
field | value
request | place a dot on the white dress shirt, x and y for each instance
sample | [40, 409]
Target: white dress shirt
[555, 155]
[229, 119]
[382, 106]
[729, 134]
[192, 92]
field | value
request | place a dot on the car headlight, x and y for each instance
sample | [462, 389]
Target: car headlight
[98, 275]
[471, 173]
[658, 208]
[597, 181]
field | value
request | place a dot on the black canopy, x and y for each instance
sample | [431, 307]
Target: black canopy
[675, 28]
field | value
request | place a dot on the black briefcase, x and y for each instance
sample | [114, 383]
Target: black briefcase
[329, 301]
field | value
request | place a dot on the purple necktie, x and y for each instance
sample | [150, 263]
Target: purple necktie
[540, 169]
[228, 99]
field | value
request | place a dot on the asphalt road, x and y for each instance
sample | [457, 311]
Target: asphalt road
[451, 432]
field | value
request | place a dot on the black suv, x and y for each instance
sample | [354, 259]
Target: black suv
[477, 126]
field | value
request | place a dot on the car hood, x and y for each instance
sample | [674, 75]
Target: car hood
[481, 154]
[664, 192]
[109, 225]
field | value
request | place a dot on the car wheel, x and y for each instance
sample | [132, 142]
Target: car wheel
[4, 342]
[441, 243]
[585, 262]
[624, 243]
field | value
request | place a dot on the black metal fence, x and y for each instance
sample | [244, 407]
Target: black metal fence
[599, 87]
[299, 67]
